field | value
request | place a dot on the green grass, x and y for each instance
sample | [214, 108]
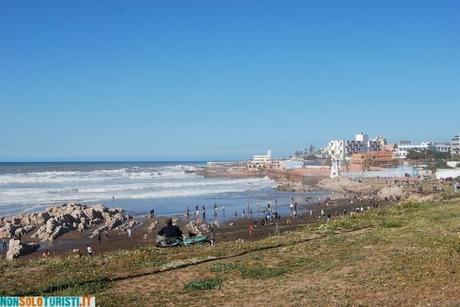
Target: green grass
[411, 235]
[204, 284]
[224, 267]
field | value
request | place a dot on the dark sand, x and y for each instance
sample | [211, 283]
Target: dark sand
[120, 240]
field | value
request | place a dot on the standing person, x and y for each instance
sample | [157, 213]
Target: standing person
[223, 211]
[107, 234]
[215, 210]
[187, 213]
[213, 238]
[152, 213]
[236, 214]
[204, 215]
[197, 213]
[129, 232]
[99, 237]
[89, 250]
[250, 228]
[311, 212]
[4, 244]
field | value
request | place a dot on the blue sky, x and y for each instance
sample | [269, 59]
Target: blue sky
[169, 80]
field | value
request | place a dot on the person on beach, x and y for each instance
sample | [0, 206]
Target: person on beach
[213, 237]
[250, 229]
[236, 214]
[129, 232]
[223, 211]
[4, 244]
[169, 231]
[106, 234]
[187, 213]
[152, 213]
[89, 250]
[204, 215]
[46, 254]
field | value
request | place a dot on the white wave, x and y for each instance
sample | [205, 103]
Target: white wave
[44, 188]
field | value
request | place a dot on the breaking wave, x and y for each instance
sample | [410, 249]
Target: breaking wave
[42, 188]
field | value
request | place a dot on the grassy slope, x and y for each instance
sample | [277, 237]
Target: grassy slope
[407, 254]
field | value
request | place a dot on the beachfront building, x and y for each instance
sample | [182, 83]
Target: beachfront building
[442, 147]
[403, 150]
[292, 163]
[377, 159]
[337, 150]
[455, 146]
[343, 149]
[263, 162]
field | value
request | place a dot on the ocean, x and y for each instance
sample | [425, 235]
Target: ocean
[166, 187]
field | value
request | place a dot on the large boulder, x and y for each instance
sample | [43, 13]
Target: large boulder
[59, 231]
[117, 220]
[8, 230]
[39, 218]
[17, 249]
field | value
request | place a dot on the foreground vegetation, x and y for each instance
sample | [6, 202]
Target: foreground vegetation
[407, 254]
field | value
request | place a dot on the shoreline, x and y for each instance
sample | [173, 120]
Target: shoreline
[343, 194]
[230, 230]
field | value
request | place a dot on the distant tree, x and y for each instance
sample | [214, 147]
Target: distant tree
[427, 155]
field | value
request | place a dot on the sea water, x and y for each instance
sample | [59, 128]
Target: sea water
[166, 187]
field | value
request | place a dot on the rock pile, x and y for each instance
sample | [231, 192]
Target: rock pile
[56, 221]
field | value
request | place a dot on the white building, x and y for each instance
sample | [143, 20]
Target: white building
[402, 150]
[262, 158]
[341, 149]
[442, 147]
[262, 162]
[291, 164]
[455, 145]
[447, 173]
[337, 150]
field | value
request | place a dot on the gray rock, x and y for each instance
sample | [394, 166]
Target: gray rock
[17, 249]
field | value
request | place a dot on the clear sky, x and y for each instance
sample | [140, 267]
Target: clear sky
[168, 80]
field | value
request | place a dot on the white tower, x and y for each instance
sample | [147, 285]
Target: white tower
[335, 169]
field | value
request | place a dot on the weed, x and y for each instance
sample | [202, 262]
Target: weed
[223, 267]
[204, 284]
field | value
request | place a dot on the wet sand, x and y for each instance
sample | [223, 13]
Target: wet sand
[227, 232]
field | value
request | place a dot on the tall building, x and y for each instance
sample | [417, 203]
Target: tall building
[455, 146]
[341, 149]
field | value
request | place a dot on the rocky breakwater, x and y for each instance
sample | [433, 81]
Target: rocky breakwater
[49, 225]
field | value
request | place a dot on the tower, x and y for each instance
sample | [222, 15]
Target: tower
[335, 169]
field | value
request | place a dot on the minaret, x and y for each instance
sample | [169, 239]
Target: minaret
[335, 169]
